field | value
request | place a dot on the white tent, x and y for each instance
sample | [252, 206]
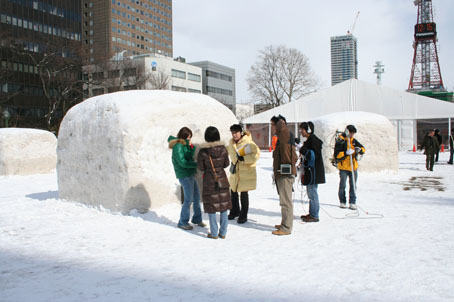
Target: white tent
[403, 109]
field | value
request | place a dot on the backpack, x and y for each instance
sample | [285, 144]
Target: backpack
[339, 146]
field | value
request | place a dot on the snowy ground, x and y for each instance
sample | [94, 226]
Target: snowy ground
[51, 250]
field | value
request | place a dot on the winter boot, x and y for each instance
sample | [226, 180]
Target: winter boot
[244, 207]
[234, 212]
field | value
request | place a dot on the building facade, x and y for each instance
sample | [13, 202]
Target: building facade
[129, 27]
[39, 39]
[142, 72]
[218, 81]
[344, 59]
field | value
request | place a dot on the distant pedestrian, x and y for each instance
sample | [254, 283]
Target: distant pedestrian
[284, 169]
[430, 146]
[451, 148]
[185, 169]
[314, 170]
[244, 154]
[212, 160]
[439, 139]
[346, 153]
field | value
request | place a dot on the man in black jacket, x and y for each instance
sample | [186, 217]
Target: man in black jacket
[314, 170]
[430, 146]
[439, 139]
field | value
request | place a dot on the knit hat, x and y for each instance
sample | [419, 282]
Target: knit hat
[236, 128]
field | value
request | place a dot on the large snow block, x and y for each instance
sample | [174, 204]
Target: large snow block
[27, 151]
[113, 150]
[375, 132]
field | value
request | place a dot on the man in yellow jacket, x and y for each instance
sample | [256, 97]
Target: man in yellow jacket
[243, 153]
[346, 152]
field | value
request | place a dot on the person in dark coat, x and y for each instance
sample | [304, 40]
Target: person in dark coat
[451, 143]
[314, 170]
[430, 146]
[212, 159]
[439, 139]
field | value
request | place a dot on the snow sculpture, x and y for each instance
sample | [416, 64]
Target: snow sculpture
[27, 151]
[375, 133]
[113, 150]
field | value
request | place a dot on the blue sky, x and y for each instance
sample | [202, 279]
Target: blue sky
[232, 32]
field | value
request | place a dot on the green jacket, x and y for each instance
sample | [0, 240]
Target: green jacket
[182, 157]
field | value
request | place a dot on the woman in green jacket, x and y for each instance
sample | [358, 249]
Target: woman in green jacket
[185, 169]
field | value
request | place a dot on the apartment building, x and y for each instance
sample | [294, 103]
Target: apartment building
[130, 27]
[344, 59]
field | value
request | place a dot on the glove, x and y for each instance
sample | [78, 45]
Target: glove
[350, 151]
[358, 150]
[240, 158]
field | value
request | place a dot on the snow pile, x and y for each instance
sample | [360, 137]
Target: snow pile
[113, 150]
[375, 132]
[27, 151]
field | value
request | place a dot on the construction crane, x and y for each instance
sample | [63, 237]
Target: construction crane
[350, 32]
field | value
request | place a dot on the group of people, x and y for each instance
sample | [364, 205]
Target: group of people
[220, 194]
[346, 152]
[431, 145]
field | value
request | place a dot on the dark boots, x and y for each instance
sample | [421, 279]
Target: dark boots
[244, 207]
[235, 211]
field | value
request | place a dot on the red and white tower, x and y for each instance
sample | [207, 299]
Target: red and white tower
[425, 72]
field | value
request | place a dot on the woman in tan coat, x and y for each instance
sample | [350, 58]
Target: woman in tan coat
[244, 154]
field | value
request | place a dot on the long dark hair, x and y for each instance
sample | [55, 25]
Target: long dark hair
[184, 133]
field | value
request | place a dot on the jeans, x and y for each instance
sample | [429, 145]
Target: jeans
[191, 195]
[314, 205]
[214, 225]
[343, 182]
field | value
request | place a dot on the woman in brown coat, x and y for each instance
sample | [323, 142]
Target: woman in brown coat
[212, 160]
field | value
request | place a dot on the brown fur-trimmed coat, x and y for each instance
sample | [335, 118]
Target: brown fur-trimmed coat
[214, 199]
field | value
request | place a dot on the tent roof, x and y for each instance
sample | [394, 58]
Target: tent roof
[355, 95]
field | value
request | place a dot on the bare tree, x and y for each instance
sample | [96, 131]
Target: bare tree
[281, 75]
[117, 75]
[57, 68]
[159, 80]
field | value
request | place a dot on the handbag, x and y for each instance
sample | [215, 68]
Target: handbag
[218, 184]
[233, 167]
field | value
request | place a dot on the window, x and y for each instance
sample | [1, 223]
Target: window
[177, 88]
[98, 76]
[129, 72]
[114, 74]
[98, 91]
[194, 90]
[193, 77]
[178, 74]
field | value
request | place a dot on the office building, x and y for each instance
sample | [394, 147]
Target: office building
[36, 36]
[129, 27]
[344, 59]
[218, 81]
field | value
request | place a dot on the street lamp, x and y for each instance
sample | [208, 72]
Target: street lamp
[6, 115]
